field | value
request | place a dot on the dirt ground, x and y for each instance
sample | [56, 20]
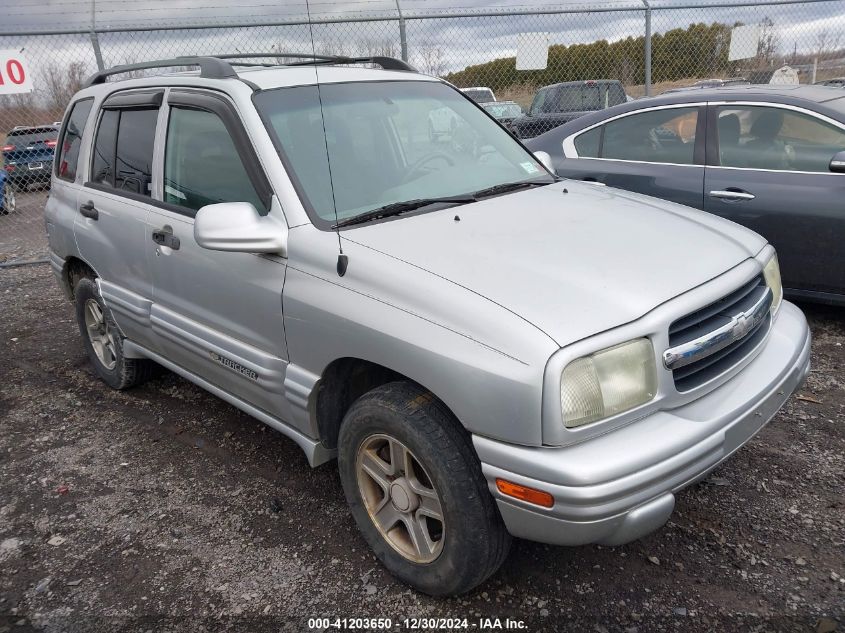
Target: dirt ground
[22, 236]
[164, 509]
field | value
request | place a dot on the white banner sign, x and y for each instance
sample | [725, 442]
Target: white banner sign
[14, 73]
[532, 51]
[744, 42]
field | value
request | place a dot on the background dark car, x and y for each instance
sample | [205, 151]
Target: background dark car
[762, 156]
[836, 82]
[28, 154]
[503, 111]
[711, 83]
[560, 103]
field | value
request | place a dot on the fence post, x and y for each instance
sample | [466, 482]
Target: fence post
[647, 48]
[95, 42]
[403, 40]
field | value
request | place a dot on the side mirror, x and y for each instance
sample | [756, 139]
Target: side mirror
[237, 227]
[544, 158]
[837, 163]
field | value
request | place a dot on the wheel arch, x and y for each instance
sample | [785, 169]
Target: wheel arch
[73, 269]
[342, 382]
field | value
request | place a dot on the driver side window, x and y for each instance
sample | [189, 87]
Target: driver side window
[761, 137]
[201, 163]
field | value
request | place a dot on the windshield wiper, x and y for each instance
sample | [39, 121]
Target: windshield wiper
[506, 187]
[398, 208]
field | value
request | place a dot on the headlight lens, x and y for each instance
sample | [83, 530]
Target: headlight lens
[771, 273]
[608, 382]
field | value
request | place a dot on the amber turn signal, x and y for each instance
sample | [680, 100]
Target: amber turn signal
[537, 497]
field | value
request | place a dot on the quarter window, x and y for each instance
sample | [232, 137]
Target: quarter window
[72, 140]
[587, 144]
[761, 137]
[123, 150]
[201, 163]
[658, 136]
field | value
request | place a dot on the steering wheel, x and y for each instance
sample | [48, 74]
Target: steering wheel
[417, 166]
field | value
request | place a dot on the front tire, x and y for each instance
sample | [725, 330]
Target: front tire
[103, 340]
[415, 488]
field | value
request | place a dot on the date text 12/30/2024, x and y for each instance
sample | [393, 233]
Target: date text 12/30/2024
[417, 624]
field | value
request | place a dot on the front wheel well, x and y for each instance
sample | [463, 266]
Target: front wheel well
[342, 383]
[74, 270]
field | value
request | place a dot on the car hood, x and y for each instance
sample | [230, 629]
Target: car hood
[573, 259]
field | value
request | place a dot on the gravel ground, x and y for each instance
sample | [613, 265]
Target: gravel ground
[22, 236]
[164, 509]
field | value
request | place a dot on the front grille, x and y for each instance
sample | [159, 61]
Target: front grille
[724, 333]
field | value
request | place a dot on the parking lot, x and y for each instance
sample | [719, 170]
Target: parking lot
[22, 236]
[163, 508]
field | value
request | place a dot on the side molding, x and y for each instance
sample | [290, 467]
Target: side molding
[314, 451]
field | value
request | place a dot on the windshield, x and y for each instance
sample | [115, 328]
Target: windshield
[388, 142]
[503, 110]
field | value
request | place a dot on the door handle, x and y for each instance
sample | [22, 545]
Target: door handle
[731, 195]
[89, 210]
[164, 237]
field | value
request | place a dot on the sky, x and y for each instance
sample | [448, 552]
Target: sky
[452, 43]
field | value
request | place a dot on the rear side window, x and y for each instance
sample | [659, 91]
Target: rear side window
[587, 144]
[66, 166]
[123, 150]
[201, 163]
[658, 136]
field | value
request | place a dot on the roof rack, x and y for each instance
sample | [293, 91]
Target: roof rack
[211, 67]
[310, 59]
[219, 66]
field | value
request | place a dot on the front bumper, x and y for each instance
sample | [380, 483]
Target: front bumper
[620, 486]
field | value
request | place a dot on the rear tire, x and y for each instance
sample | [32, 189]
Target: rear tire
[424, 466]
[103, 340]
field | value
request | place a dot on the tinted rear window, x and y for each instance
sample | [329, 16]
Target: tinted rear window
[72, 140]
[123, 151]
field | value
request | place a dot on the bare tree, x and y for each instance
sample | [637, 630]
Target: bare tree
[432, 60]
[769, 44]
[63, 82]
[827, 44]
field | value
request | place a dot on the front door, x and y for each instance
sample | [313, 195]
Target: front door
[216, 314]
[768, 169]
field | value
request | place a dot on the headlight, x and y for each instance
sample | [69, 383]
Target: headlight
[608, 382]
[771, 273]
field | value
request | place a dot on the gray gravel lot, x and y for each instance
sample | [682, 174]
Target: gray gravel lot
[164, 509]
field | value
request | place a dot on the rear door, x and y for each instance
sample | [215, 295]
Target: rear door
[217, 314]
[658, 152]
[767, 168]
[113, 205]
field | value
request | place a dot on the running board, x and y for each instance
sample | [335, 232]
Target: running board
[316, 453]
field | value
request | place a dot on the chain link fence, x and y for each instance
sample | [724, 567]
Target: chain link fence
[612, 52]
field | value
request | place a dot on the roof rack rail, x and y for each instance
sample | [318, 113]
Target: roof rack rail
[217, 66]
[309, 59]
[211, 67]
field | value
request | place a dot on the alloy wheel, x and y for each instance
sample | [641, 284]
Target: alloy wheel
[400, 498]
[100, 334]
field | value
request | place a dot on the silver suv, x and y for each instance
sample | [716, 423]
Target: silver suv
[487, 351]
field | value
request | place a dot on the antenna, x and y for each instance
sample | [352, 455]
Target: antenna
[342, 260]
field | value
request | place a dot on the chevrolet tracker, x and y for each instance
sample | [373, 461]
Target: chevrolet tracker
[487, 351]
